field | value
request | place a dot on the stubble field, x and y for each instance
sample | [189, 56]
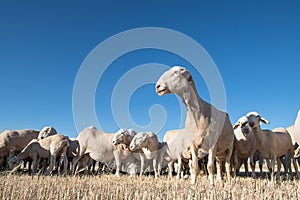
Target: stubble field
[24, 187]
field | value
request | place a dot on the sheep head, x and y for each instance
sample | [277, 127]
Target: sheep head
[139, 141]
[175, 80]
[120, 137]
[46, 132]
[254, 120]
[14, 161]
[243, 124]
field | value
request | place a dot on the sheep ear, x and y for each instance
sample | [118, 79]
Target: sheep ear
[145, 137]
[236, 126]
[264, 120]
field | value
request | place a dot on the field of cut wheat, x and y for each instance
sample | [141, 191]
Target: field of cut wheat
[24, 187]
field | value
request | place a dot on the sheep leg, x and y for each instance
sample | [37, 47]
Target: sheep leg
[51, 166]
[295, 167]
[272, 168]
[260, 165]
[179, 167]
[65, 161]
[278, 168]
[235, 164]
[118, 165]
[194, 165]
[154, 162]
[245, 162]
[34, 163]
[170, 167]
[142, 164]
[219, 170]
[210, 166]
[76, 159]
[252, 164]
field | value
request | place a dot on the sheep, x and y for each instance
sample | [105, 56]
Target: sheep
[172, 152]
[123, 140]
[206, 128]
[148, 143]
[271, 144]
[49, 148]
[244, 144]
[98, 144]
[12, 141]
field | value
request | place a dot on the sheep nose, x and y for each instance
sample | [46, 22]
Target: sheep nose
[251, 124]
[157, 86]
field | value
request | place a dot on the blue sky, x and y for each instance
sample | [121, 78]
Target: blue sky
[255, 45]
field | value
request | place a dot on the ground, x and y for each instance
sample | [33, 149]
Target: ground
[146, 187]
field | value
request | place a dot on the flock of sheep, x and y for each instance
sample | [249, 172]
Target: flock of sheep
[208, 133]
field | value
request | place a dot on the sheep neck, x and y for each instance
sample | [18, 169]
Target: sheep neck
[259, 137]
[196, 107]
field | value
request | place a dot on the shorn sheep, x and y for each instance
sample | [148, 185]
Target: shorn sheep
[206, 128]
[271, 144]
[244, 144]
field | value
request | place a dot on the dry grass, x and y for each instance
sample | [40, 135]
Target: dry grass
[111, 187]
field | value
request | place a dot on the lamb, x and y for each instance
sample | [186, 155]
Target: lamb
[271, 144]
[244, 144]
[50, 148]
[207, 130]
[148, 143]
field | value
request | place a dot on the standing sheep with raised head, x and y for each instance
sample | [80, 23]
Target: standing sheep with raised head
[271, 144]
[206, 128]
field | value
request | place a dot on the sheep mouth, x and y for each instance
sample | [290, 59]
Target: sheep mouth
[162, 91]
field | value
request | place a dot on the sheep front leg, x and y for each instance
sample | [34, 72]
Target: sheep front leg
[219, 170]
[118, 165]
[272, 168]
[252, 164]
[235, 163]
[154, 161]
[142, 164]
[170, 169]
[179, 167]
[210, 166]
[194, 166]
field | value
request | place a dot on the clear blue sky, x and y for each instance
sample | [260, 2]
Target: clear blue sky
[255, 45]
